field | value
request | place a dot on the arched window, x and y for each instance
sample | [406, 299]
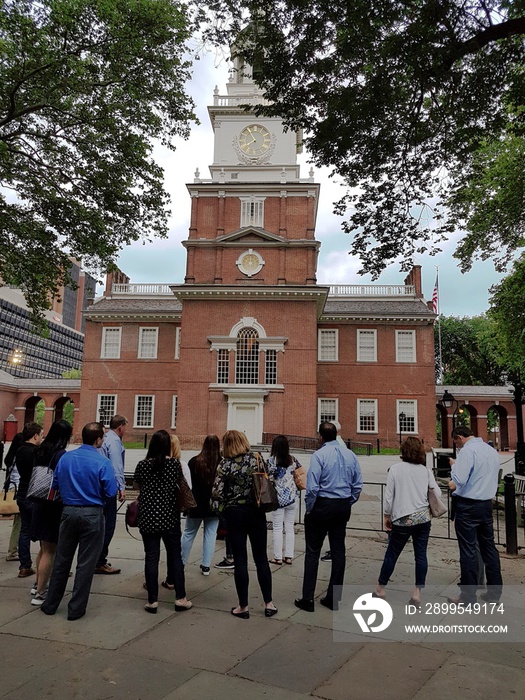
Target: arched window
[247, 361]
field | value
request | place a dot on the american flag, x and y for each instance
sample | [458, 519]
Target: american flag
[435, 297]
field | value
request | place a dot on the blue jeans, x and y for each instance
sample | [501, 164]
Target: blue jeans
[209, 538]
[175, 567]
[398, 538]
[83, 528]
[474, 527]
[110, 519]
[24, 538]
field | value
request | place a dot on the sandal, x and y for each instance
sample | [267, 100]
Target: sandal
[279, 562]
[288, 560]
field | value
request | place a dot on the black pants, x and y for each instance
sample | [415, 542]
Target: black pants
[329, 516]
[175, 567]
[245, 522]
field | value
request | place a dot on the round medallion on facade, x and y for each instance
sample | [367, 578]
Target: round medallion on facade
[250, 262]
[255, 140]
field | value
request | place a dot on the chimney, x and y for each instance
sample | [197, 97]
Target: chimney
[414, 278]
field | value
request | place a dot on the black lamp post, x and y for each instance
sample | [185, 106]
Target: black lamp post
[448, 401]
[402, 417]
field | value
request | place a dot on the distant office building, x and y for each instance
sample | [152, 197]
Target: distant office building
[26, 354]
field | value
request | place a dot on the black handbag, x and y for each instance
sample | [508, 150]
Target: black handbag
[40, 485]
[264, 491]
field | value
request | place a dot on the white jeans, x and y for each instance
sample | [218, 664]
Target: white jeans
[284, 516]
[208, 544]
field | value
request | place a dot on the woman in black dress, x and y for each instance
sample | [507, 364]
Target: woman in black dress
[45, 521]
[157, 477]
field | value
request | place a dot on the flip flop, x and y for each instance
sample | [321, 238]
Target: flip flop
[288, 560]
[279, 562]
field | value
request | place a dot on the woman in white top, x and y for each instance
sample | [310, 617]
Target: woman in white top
[281, 466]
[407, 514]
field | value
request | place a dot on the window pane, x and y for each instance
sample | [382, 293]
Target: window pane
[405, 346]
[271, 367]
[366, 346]
[174, 409]
[106, 408]
[328, 410]
[144, 412]
[111, 343]
[148, 343]
[328, 345]
[223, 366]
[367, 415]
[247, 363]
[406, 416]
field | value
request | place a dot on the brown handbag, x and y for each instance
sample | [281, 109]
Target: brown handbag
[264, 490]
[184, 496]
[299, 476]
[8, 504]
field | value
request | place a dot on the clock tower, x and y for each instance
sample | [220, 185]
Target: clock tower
[250, 302]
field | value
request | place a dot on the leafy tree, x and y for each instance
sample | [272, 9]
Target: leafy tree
[470, 351]
[85, 87]
[418, 105]
[507, 310]
[73, 373]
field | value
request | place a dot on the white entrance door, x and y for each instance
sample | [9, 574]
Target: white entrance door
[246, 421]
[246, 411]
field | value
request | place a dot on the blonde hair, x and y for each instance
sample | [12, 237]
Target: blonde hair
[234, 443]
[175, 447]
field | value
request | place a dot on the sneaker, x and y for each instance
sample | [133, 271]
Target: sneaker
[38, 600]
[327, 556]
[24, 573]
[107, 569]
[205, 570]
[34, 589]
[225, 564]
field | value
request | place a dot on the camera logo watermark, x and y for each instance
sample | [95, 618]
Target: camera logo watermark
[368, 603]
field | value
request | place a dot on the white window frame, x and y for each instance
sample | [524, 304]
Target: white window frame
[177, 342]
[327, 352]
[362, 333]
[144, 332]
[400, 350]
[174, 411]
[252, 211]
[111, 413]
[135, 412]
[108, 331]
[320, 411]
[368, 402]
[401, 407]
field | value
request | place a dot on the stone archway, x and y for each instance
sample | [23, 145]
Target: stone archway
[30, 408]
[60, 409]
[500, 436]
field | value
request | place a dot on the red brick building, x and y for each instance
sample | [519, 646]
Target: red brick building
[250, 340]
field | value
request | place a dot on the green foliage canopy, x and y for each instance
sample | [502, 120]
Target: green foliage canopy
[471, 351]
[418, 105]
[507, 310]
[85, 87]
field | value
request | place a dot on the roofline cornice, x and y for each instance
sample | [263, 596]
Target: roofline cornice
[133, 316]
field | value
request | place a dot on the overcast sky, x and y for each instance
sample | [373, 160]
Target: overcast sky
[164, 261]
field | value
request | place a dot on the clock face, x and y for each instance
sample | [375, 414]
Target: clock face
[254, 140]
[250, 262]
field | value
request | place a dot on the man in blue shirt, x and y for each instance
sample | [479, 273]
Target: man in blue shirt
[113, 449]
[85, 479]
[474, 481]
[333, 484]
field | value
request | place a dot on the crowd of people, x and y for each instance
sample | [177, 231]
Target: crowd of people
[90, 481]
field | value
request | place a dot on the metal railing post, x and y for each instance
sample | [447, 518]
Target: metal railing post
[511, 524]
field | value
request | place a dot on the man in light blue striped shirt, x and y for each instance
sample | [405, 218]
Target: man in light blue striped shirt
[474, 481]
[334, 484]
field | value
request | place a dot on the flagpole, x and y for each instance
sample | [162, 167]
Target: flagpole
[437, 310]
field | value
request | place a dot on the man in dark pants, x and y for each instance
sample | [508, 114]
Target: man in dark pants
[474, 481]
[334, 483]
[32, 436]
[113, 449]
[85, 479]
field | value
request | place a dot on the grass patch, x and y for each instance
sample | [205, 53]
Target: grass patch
[136, 445]
[388, 451]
